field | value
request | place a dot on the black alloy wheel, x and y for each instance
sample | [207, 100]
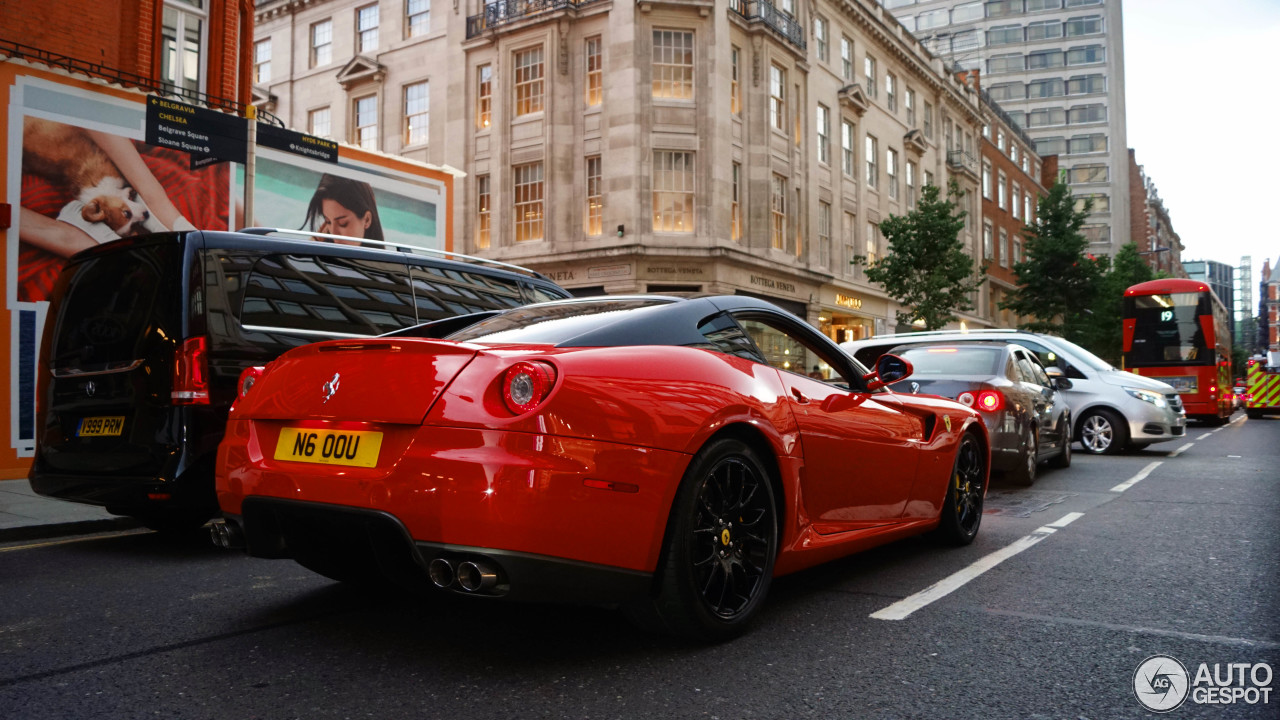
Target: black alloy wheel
[722, 540]
[966, 493]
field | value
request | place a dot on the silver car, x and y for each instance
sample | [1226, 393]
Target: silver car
[1113, 409]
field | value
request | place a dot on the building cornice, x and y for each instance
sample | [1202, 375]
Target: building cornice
[278, 8]
[892, 36]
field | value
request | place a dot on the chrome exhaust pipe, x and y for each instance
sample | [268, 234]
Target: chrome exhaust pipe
[226, 535]
[441, 572]
[477, 576]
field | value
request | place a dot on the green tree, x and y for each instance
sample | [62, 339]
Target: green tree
[1057, 282]
[1105, 334]
[926, 268]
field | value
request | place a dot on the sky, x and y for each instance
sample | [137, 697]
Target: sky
[1202, 88]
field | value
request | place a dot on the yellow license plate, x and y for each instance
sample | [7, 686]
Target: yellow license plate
[356, 448]
[100, 426]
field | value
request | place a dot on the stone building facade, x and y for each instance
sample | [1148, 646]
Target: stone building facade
[679, 147]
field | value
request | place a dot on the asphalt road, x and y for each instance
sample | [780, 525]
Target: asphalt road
[1184, 562]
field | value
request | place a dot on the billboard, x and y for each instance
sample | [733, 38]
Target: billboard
[297, 193]
[79, 172]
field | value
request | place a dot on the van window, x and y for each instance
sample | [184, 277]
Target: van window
[328, 295]
[442, 292]
[540, 294]
[115, 305]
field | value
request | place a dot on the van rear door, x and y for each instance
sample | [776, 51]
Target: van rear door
[109, 345]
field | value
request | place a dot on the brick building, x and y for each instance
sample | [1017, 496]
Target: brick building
[190, 47]
[1011, 190]
[1151, 228]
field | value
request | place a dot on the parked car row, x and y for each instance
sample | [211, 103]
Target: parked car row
[1111, 410]
[462, 426]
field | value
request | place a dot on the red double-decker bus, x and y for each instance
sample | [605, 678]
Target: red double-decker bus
[1176, 331]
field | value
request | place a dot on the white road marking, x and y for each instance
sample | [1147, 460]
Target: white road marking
[904, 607]
[1145, 472]
[1181, 450]
[1066, 520]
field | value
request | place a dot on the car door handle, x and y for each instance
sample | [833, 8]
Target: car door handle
[800, 397]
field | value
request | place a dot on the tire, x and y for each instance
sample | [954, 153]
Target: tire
[966, 491]
[1025, 475]
[716, 570]
[1252, 414]
[1063, 458]
[181, 524]
[1102, 432]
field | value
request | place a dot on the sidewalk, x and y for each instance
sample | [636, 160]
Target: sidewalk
[27, 516]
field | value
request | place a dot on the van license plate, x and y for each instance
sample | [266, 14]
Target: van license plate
[100, 426]
[355, 448]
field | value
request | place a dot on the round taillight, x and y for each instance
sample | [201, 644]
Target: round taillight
[246, 383]
[966, 399]
[248, 378]
[526, 384]
[990, 401]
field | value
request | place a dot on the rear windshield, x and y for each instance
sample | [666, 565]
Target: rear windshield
[113, 302]
[552, 323]
[960, 360]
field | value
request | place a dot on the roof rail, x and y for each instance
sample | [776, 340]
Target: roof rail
[402, 247]
[958, 332]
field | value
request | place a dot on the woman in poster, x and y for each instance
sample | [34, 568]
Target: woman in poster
[341, 206]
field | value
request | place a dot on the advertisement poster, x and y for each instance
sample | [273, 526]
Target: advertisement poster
[296, 193]
[83, 187]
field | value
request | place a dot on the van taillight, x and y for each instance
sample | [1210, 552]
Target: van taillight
[191, 372]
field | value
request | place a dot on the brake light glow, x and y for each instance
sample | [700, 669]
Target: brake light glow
[191, 372]
[526, 384]
[990, 401]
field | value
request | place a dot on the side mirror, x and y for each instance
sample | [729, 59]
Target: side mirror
[889, 369]
[1057, 378]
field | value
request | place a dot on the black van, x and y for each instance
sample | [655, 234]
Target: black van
[146, 338]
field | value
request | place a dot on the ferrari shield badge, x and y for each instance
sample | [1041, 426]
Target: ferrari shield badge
[946, 420]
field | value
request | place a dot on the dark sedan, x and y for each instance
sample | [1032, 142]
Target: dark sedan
[1028, 420]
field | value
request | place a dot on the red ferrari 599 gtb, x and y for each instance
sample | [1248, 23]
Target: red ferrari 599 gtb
[667, 455]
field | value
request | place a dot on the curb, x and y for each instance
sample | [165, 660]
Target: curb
[78, 527]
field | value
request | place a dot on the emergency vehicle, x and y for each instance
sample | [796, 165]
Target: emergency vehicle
[1262, 396]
